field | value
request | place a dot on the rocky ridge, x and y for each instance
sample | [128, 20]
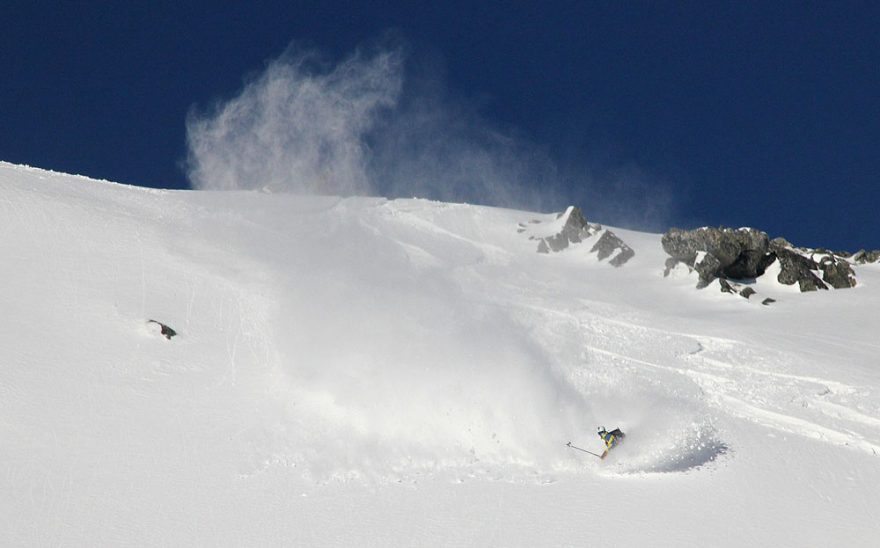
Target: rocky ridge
[572, 228]
[863, 257]
[729, 258]
[733, 256]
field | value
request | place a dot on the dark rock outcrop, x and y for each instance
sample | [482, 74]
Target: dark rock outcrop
[863, 257]
[719, 252]
[734, 288]
[799, 266]
[728, 254]
[747, 292]
[837, 272]
[708, 267]
[726, 287]
[609, 243]
[797, 269]
[575, 230]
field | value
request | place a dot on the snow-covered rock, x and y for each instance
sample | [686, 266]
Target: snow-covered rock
[746, 253]
[797, 269]
[863, 257]
[728, 253]
[570, 228]
[837, 272]
[609, 245]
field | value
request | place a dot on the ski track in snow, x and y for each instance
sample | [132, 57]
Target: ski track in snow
[725, 372]
[332, 350]
[735, 378]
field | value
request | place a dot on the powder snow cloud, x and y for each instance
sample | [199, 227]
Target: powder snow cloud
[299, 127]
[354, 128]
[378, 122]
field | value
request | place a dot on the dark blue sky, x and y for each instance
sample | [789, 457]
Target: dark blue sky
[749, 113]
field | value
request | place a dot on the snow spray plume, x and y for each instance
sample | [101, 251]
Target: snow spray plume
[625, 196]
[438, 145]
[373, 124]
[296, 128]
[305, 126]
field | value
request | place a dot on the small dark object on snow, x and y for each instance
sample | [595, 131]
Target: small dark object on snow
[165, 330]
[608, 244]
[611, 439]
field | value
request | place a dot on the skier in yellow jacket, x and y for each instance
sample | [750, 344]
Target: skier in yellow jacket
[610, 438]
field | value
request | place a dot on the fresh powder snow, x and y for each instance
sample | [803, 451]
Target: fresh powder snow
[371, 372]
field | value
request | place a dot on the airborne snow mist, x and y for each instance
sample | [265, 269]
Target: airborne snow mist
[380, 122]
[364, 126]
[299, 127]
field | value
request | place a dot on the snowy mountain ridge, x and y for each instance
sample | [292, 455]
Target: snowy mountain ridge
[365, 371]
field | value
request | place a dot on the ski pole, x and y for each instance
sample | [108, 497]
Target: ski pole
[584, 450]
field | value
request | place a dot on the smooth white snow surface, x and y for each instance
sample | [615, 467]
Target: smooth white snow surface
[365, 372]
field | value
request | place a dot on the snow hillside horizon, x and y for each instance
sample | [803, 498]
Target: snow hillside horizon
[374, 372]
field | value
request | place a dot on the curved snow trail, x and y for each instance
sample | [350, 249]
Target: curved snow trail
[733, 386]
[799, 426]
[757, 397]
[734, 378]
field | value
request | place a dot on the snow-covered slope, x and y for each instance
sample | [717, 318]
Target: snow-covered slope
[365, 372]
